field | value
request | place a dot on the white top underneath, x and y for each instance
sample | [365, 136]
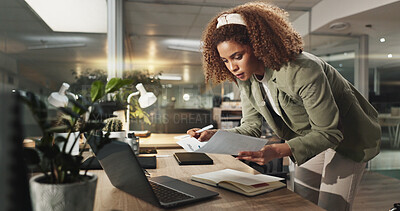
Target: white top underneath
[270, 99]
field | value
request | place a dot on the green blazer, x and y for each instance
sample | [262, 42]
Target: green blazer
[319, 109]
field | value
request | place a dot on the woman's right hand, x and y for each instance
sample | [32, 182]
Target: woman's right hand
[202, 136]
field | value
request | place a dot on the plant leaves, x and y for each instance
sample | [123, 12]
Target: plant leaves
[146, 119]
[31, 156]
[37, 107]
[46, 140]
[59, 129]
[69, 112]
[68, 163]
[89, 126]
[60, 139]
[116, 83]
[97, 91]
[49, 152]
[112, 85]
[78, 107]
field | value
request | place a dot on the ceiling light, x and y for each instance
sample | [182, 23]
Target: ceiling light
[186, 97]
[183, 44]
[89, 16]
[390, 55]
[170, 77]
[382, 39]
[182, 48]
[52, 46]
[339, 26]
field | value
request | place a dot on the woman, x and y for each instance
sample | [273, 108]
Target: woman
[331, 131]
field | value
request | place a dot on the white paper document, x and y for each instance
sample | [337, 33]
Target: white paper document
[190, 144]
[223, 142]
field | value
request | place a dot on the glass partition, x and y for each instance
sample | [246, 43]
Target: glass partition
[35, 58]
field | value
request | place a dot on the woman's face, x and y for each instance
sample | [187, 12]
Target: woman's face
[240, 60]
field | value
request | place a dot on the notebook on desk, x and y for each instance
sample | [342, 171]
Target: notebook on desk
[125, 173]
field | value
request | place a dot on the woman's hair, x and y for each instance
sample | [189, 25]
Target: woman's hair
[268, 32]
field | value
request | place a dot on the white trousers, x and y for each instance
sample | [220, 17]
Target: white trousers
[329, 180]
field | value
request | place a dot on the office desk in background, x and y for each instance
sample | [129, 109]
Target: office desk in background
[156, 140]
[161, 141]
[393, 125]
[110, 198]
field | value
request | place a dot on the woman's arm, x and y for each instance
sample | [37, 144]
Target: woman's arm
[266, 154]
[250, 124]
[202, 136]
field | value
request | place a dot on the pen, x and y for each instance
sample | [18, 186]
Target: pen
[199, 131]
[205, 128]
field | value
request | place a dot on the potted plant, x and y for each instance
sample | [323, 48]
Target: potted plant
[114, 127]
[62, 186]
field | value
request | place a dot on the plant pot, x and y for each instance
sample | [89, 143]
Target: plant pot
[120, 114]
[70, 142]
[120, 135]
[60, 197]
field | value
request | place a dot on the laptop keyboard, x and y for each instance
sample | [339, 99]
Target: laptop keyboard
[167, 195]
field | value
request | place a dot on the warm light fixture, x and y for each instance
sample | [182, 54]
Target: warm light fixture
[390, 55]
[382, 39]
[53, 46]
[183, 48]
[170, 77]
[183, 45]
[88, 16]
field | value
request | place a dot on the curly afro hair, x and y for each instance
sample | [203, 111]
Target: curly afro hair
[268, 32]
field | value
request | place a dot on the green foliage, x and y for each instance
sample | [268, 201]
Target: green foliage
[138, 113]
[57, 164]
[97, 91]
[116, 83]
[152, 83]
[119, 96]
[64, 122]
[113, 125]
[85, 79]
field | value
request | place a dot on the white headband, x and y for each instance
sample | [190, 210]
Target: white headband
[233, 18]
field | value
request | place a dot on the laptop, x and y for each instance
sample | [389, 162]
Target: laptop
[125, 173]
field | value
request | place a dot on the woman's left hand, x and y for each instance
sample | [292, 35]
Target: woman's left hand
[266, 154]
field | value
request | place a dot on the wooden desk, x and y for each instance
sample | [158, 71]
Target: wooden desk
[161, 141]
[111, 198]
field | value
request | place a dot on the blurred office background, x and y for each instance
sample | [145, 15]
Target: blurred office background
[42, 43]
